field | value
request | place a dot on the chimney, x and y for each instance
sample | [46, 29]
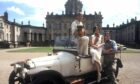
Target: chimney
[6, 15]
[99, 13]
[14, 21]
[47, 13]
[127, 21]
[95, 13]
[84, 12]
[107, 26]
[43, 24]
[113, 25]
[62, 12]
[29, 22]
[21, 22]
[135, 18]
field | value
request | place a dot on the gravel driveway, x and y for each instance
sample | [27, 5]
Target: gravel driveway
[7, 58]
[129, 74]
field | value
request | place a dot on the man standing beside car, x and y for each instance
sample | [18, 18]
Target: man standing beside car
[81, 41]
[109, 51]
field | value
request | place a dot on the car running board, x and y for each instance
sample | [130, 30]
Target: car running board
[93, 82]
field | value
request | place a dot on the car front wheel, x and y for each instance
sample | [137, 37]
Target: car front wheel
[14, 78]
[48, 77]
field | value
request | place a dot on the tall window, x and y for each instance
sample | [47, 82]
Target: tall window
[60, 26]
[1, 25]
[40, 37]
[25, 36]
[7, 36]
[0, 37]
[35, 37]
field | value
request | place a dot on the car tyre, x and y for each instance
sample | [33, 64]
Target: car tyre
[48, 77]
[116, 71]
[119, 65]
[14, 79]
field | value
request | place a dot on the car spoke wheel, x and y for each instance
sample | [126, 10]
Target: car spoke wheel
[14, 78]
[116, 71]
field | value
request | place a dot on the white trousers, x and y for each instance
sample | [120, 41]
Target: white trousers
[82, 45]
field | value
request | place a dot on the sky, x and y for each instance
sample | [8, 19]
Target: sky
[113, 11]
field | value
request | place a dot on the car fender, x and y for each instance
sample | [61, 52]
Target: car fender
[67, 63]
[48, 75]
[36, 70]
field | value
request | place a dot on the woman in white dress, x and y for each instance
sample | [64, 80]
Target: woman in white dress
[96, 43]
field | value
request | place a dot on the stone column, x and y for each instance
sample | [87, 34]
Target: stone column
[29, 37]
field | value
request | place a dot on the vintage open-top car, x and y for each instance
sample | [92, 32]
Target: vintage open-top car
[60, 67]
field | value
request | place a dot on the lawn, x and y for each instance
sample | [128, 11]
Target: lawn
[49, 49]
[35, 49]
[131, 50]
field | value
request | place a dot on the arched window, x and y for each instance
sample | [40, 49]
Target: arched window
[1, 25]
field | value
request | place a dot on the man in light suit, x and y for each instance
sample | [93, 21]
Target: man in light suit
[78, 35]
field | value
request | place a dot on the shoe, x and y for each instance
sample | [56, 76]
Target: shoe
[115, 82]
[99, 78]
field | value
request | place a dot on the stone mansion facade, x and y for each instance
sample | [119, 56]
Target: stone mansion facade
[128, 33]
[58, 27]
[15, 33]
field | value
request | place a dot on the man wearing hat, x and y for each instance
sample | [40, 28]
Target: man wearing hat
[78, 35]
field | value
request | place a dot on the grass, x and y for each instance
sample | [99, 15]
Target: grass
[130, 50]
[36, 49]
[49, 49]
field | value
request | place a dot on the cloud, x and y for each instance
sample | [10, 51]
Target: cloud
[48, 5]
[16, 10]
[38, 17]
[39, 8]
[113, 11]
